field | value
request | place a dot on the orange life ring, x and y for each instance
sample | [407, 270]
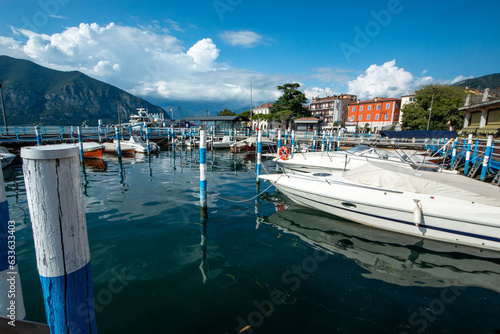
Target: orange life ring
[283, 152]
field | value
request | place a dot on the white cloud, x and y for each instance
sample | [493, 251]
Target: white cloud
[241, 38]
[318, 92]
[146, 61]
[458, 79]
[384, 81]
[204, 54]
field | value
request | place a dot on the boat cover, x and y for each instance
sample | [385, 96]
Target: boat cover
[418, 134]
[456, 186]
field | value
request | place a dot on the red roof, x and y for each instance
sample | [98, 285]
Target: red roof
[265, 105]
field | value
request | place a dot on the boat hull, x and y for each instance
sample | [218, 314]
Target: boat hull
[448, 220]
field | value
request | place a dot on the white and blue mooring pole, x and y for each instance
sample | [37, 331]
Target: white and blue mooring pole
[486, 159]
[80, 142]
[99, 129]
[259, 153]
[203, 170]
[38, 135]
[467, 154]
[55, 201]
[11, 296]
[118, 144]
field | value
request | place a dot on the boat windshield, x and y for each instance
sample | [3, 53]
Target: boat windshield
[372, 152]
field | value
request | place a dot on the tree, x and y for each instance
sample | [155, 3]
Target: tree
[283, 116]
[444, 113]
[226, 112]
[245, 113]
[292, 100]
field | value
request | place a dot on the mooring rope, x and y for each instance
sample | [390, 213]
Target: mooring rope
[246, 200]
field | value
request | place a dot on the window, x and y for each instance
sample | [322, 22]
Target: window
[386, 116]
[376, 117]
[352, 118]
[388, 106]
[397, 105]
[396, 116]
[379, 106]
[367, 117]
[360, 108]
[353, 109]
[369, 107]
[360, 117]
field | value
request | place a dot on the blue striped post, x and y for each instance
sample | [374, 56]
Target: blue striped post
[55, 201]
[259, 153]
[314, 141]
[146, 129]
[11, 295]
[330, 137]
[293, 142]
[203, 170]
[80, 143]
[71, 133]
[17, 133]
[486, 159]
[100, 130]
[454, 152]
[467, 154]
[323, 142]
[286, 136]
[118, 144]
[38, 135]
[61, 131]
[338, 141]
[279, 146]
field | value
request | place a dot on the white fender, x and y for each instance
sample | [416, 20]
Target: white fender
[417, 213]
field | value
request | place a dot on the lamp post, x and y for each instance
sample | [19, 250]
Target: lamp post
[430, 112]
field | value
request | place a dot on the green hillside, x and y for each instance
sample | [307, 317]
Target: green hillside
[34, 94]
[491, 81]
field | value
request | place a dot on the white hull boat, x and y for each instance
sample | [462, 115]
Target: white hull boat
[445, 207]
[328, 162]
[140, 145]
[224, 143]
[6, 157]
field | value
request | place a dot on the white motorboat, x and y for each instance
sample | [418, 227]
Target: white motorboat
[140, 145]
[224, 143]
[6, 157]
[143, 117]
[440, 206]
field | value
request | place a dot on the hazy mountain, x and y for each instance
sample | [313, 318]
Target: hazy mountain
[491, 81]
[34, 94]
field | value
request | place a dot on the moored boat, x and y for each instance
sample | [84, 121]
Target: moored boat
[439, 206]
[140, 145]
[6, 157]
[126, 150]
[92, 150]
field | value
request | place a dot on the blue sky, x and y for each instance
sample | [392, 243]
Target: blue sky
[209, 52]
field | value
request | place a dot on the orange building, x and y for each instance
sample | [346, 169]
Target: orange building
[381, 112]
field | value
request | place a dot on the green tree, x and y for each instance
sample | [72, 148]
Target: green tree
[245, 113]
[445, 104]
[292, 100]
[283, 116]
[226, 112]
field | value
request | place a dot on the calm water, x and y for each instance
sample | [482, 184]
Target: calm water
[158, 268]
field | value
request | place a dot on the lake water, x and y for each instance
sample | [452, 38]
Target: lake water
[159, 268]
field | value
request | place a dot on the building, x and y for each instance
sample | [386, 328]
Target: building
[482, 118]
[376, 115]
[405, 99]
[263, 124]
[307, 124]
[331, 109]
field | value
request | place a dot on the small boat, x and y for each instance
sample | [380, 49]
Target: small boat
[143, 117]
[140, 145]
[126, 150]
[250, 145]
[439, 206]
[224, 143]
[6, 157]
[92, 150]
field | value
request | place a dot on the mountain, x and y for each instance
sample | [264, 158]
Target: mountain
[491, 81]
[34, 94]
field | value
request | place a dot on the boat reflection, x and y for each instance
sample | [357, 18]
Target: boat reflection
[387, 256]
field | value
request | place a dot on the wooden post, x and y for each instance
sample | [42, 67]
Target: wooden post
[203, 170]
[54, 192]
[11, 295]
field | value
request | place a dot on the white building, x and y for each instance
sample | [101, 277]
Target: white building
[405, 99]
[264, 109]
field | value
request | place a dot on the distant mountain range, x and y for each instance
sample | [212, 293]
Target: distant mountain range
[34, 94]
[491, 81]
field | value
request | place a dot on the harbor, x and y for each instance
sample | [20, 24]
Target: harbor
[254, 259]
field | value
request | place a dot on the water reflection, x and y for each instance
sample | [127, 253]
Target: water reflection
[387, 256]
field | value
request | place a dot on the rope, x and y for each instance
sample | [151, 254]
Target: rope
[245, 200]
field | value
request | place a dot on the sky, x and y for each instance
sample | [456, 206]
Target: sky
[231, 53]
